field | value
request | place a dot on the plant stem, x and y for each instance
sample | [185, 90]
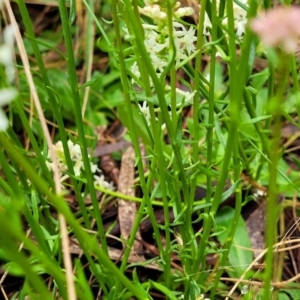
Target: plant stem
[78, 117]
[275, 109]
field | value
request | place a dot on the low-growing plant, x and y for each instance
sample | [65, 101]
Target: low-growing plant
[183, 81]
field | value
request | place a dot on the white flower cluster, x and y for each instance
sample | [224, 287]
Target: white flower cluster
[6, 60]
[240, 19]
[76, 157]
[157, 43]
[144, 108]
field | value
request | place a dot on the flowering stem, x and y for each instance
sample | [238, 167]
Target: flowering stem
[270, 85]
[232, 145]
[132, 128]
[196, 83]
[296, 91]
[211, 102]
[272, 207]
[259, 130]
[172, 50]
[159, 88]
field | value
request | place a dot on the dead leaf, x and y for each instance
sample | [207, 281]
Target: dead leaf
[127, 209]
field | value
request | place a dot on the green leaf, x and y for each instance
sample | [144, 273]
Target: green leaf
[294, 291]
[136, 279]
[255, 120]
[83, 283]
[100, 81]
[164, 290]
[72, 13]
[284, 296]
[239, 259]
[230, 191]
[195, 290]
[259, 79]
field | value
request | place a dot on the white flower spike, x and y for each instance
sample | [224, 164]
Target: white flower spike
[6, 52]
[6, 96]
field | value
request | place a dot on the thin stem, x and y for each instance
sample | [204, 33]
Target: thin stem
[236, 92]
[89, 54]
[134, 139]
[258, 128]
[78, 117]
[196, 100]
[272, 213]
[211, 103]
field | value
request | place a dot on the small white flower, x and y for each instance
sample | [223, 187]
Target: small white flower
[78, 167]
[177, 24]
[180, 56]
[76, 157]
[207, 24]
[258, 194]
[9, 35]
[158, 63]
[6, 55]
[153, 12]
[6, 96]
[144, 109]
[151, 44]
[100, 181]
[145, 10]
[75, 151]
[59, 152]
[6, 52]
[184, 11]
[127, 36]
[187, 39]
[240, 27]
[135, 71]
[240, 19]
[187, 96]
[94, 168]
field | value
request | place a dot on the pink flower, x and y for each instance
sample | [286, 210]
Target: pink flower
[279, 26]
